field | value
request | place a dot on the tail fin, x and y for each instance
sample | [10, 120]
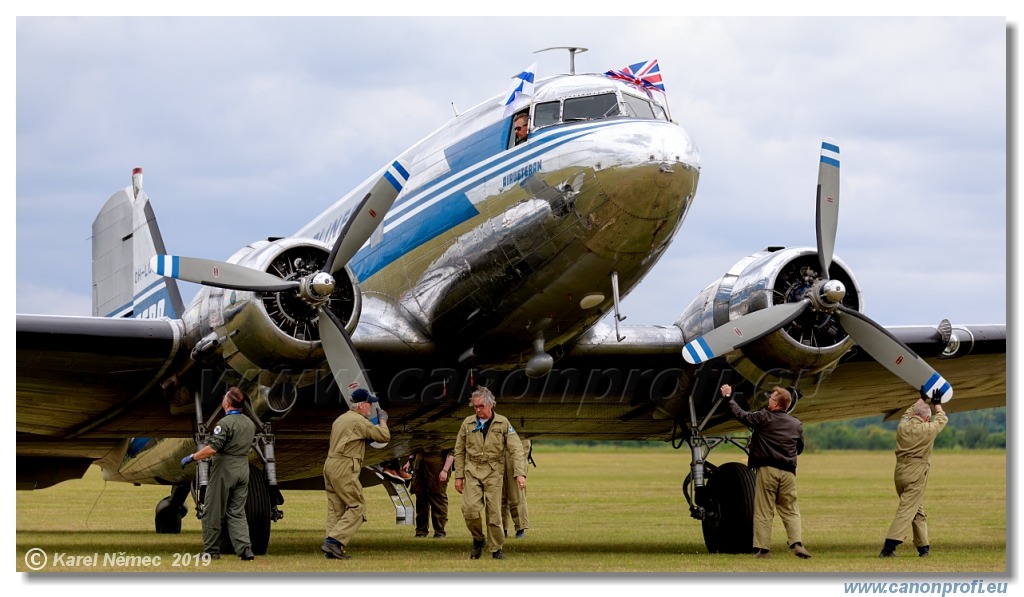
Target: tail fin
[125, 237]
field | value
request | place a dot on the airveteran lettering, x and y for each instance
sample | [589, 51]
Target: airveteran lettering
[521, 174]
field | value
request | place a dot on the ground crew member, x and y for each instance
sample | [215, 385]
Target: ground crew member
[777, 439]
[915, 438]
[430, 484]
[229, 477]
[480, 451]
[345, 504]
[513, 502]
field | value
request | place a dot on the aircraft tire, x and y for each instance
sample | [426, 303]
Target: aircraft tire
[257, 514]
[730, 500]
[168, 518]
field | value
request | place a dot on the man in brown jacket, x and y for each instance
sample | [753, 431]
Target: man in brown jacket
[480, 452]
[345, 503]
[915, 438]
[776, 441]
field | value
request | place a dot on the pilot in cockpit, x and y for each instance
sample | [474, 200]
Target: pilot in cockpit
[520, 126]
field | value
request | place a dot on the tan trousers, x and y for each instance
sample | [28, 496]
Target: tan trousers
[345, 504]
[775, 488]
[911, 479]
[482, 497]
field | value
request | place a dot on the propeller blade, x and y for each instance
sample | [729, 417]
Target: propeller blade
[341, 354]
[218, 273]
[368, 216]
[741, 331]
[893, 354]
[827, 216]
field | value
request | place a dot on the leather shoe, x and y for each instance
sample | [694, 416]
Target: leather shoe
[521, 533]
[800, 552]
[439, 535]
[213, 556]
[887, 553]
[498, 555]
[763, 555]
[247, 554]
[334, 550]
[478, 548]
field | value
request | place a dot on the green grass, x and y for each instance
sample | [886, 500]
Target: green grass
[592, 511]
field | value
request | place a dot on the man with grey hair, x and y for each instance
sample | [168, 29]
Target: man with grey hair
[915, 438]
[481, 446]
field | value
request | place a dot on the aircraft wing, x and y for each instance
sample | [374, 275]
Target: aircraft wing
[858, 387]
[91, 376]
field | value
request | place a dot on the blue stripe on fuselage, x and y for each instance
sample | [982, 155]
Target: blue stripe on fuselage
[426, 225]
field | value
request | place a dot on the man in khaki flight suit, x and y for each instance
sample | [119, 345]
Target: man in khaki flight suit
[345, 503]
[480, 451]
[513, 503]
[915, 438]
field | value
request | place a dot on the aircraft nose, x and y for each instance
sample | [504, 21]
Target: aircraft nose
[645, 184]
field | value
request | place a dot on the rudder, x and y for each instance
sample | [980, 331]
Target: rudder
[125, 236]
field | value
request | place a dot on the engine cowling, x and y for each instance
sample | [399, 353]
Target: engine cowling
[812, 343]
[272, 337]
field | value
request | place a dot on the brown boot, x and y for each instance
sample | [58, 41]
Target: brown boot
[799, 551]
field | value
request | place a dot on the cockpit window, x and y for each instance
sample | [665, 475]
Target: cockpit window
[590, 107]
[636, 107]
[547, 113]
[593, 107]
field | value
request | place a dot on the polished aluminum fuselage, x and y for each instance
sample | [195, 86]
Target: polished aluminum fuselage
[489, 247]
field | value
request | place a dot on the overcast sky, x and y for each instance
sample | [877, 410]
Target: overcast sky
[248, 127]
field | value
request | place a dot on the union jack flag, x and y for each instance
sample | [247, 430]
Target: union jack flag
[645, 75]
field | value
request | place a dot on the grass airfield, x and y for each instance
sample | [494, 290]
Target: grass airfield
[592, 510]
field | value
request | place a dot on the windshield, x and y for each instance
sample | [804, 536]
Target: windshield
[590, 107]
[593, 107]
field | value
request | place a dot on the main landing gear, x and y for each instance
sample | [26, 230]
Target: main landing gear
[720, 497]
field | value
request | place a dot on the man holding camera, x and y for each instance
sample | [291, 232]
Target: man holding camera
[915, 438]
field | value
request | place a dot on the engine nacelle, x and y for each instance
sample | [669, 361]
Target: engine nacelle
[272, 338]
[810, 344]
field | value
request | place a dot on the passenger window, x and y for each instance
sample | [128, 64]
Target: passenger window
[637, 107]
[659, 112]
[546, 114]
[591, 107]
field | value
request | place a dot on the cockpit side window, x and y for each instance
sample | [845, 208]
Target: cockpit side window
[636, 107]
[590, 107]
[547, 113]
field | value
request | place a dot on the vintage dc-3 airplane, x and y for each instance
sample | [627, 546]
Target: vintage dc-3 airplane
[472, 259]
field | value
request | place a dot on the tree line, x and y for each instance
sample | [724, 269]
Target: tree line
[973, 430]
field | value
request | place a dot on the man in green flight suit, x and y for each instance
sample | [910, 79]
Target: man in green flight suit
[915, 438]
[228, 487]
[480, 451]
[345, 503]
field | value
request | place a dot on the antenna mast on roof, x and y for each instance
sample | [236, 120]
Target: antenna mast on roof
[572, 55]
